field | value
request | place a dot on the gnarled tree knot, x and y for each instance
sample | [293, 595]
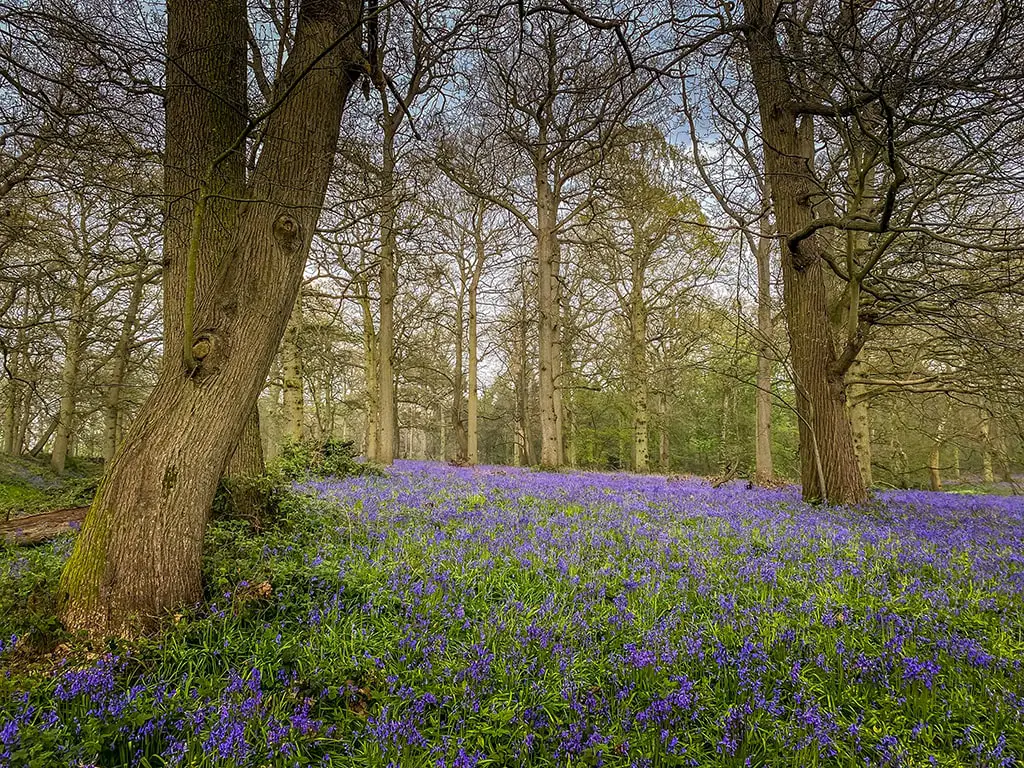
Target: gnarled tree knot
[288, 232]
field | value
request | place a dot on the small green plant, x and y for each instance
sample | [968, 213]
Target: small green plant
[318, 460]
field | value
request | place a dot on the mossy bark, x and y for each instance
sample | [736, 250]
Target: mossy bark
[139, 553]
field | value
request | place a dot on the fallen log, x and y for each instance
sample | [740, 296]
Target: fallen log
[33, 529]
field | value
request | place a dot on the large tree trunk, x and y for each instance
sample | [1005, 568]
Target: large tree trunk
[119, 367]
[292, 410]
[139, 553]
[764, 470]
[69, 376]
[828, 464]
[548, 295]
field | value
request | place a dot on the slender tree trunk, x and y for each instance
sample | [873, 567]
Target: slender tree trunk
[549, 353]
[11, 405]
[860, 424]
[935, 456]
[458, 425]
[370, 372]
[828, 464]
[472, 402]
[664, 457]
[987, 473]
[21, 440]
[139, 552]
[119, 367]
[638, 375]
[15, 397]
[245, 464]
[293, 408]
[519, 375]
[764, 470]
[388, 292]
[69, 376]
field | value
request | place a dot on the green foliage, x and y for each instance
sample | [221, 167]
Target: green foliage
[318, 460]
[28, 592]
[261, 499]
[28, 485]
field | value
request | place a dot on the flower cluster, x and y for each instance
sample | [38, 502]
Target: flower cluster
[443, 616]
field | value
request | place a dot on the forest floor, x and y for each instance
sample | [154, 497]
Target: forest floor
[437, 616]
[29, 486]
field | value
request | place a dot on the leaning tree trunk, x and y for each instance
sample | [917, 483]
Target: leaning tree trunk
[139, 553]
[828, 464]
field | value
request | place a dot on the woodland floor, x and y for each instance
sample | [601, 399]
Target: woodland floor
[500, 617]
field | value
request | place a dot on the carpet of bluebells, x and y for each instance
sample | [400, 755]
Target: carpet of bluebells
[450, 617]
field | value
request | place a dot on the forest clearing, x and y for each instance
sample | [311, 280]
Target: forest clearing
[451, 383]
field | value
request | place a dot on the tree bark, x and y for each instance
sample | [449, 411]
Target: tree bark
[388, 293]
[519, 375]
[17, 395]
[292, 411]
[664, 457]
[119, 367]
[139, 553]
[549, 353]
[764, 471]
[69, 376]
[370, 358]
[472, 403]
[828, 464]
[987, 473]
[935, 456]
[458, 425]
[638, 375]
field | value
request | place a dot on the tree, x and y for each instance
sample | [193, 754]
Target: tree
[139, 551]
